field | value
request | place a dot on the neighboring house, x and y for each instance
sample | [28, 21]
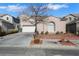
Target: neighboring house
[72, 23]
[7, 23]
[7, 18]
[6, 26]
[51, 24]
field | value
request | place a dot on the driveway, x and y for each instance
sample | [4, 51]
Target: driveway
[16, 40]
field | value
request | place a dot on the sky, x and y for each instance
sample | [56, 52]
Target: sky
[54, 9]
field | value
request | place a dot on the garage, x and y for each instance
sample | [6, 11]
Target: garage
[28, 29]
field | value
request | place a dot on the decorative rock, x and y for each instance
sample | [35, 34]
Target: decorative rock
[36, 41]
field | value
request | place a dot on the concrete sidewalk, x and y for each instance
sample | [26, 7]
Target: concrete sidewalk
[51, 45]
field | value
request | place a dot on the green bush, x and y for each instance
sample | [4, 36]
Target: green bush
[13, 31]
[57, 32]
[2, 33]
[77, 33]
[46, 32]
[61, 32]
[42, 32]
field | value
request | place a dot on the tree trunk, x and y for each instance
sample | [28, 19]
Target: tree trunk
[43, 26]
[35, 28]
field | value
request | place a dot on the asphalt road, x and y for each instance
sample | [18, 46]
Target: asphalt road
[13, 51]
[16, 45]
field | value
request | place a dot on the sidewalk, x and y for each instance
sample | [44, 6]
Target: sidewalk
[51, 45]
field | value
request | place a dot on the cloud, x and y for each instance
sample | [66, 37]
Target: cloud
[18, 7]
[2, 7]
[57, 6]
[13, 8]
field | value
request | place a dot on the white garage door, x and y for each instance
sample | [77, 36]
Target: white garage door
[28, 29]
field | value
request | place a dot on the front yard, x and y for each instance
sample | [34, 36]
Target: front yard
[65, 39]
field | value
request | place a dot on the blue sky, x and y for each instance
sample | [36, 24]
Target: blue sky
[55, 9]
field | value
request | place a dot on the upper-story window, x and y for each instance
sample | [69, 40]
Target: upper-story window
[70, 18]
[7, 18]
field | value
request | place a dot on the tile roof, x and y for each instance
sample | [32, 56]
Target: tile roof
[76, 15]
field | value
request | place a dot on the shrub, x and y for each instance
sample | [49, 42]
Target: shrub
[61, 32]
[46, 32]
[3, 33]
[37, 33]
[12, 31]
[42, 32]
[77, 33]
[57, 32]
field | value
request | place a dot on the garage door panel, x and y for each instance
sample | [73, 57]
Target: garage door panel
[28, 29]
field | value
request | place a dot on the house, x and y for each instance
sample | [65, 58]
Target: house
[26, 23]
[72, 23]
[7, 23]
[16, 23]
[6, 17]
[51, 24]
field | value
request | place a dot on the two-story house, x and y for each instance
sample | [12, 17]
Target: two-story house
[72, 23]
[7, 23]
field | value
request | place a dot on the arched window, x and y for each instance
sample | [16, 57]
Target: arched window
[7, 18]
[51, 27]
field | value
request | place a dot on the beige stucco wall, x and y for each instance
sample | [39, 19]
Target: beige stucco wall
[24, 21]
[59, 25]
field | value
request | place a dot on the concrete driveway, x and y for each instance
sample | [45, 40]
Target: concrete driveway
[16, 40]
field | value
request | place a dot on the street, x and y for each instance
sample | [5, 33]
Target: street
[18, 51]
[18, 45]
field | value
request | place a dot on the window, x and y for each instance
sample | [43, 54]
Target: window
[7, 18]
[51, 27]
[70, 18]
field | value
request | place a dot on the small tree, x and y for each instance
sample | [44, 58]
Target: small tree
[37, 13]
